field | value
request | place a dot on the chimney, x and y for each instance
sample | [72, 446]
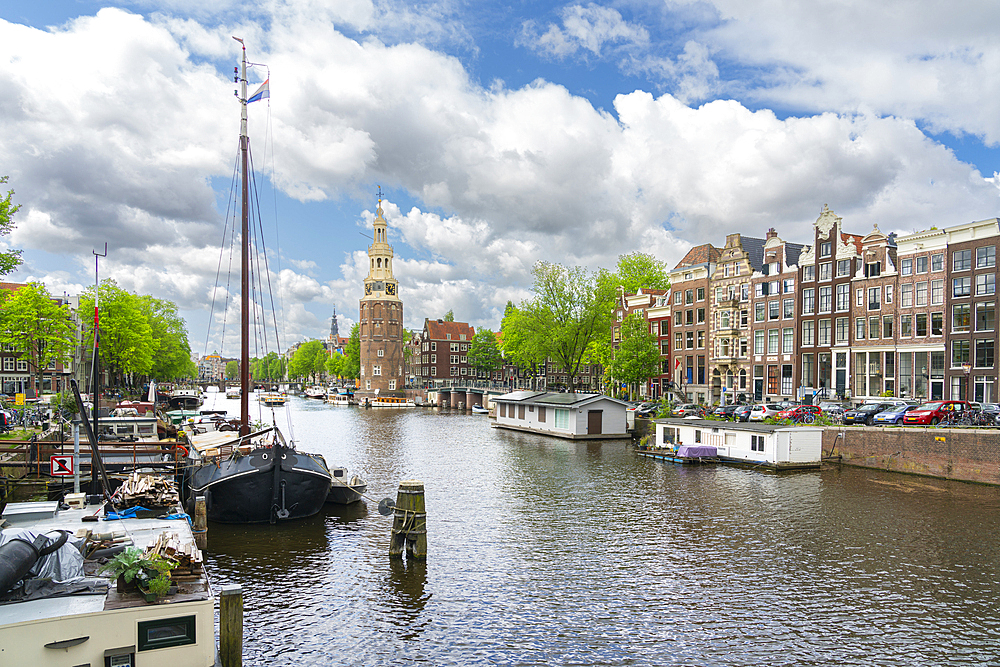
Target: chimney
[771, 233]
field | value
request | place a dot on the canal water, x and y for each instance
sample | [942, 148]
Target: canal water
[548, 552]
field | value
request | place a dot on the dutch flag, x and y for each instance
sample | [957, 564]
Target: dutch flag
[262, 92]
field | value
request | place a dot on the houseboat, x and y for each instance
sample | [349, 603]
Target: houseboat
[574, 416]
[773, 446]
[86, 619]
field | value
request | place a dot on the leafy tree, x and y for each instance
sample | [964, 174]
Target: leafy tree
[484, 352]
[9, 259]
[449, 316]
[34, 325]
[637, 358]
[126, 341]
[303, 363]
[172, 358]
[233, 370]
[352, 354]
[571, 310]
[335, 365]
[517, 344]
[637, 271]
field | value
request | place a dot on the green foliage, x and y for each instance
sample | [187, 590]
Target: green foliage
[127, 345]
[637, 271]
[449, 316]
[151, 572]
[517, 343]
[34, 325]
[309, 359]
[335, 365]
[232, 370]
[637, 358]
[570, 312]
[9, 259]
[352, 354]
[172, 357]
[484, 352]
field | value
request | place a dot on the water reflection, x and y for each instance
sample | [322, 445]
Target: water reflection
[550, 552]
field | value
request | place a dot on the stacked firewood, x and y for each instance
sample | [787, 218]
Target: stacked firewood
[148, 491]
[186, 555]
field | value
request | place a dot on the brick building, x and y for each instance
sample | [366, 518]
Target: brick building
[444, 352]
[873, 315]
[654, 307]
[690, 284]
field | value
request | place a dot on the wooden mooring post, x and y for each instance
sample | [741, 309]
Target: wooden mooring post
[200, 528]
[231, 626]
[409, 526]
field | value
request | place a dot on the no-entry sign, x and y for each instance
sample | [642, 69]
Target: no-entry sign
[61, 465]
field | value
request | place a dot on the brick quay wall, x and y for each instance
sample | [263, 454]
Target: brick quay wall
[968, 455]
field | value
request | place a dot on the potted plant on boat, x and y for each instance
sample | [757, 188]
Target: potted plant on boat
[133, 568]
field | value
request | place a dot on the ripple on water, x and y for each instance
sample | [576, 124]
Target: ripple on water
[544, 552]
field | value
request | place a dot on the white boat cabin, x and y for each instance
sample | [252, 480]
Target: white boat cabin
[772, 445]
[575, 416]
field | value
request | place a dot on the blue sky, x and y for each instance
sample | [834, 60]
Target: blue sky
[501, 134]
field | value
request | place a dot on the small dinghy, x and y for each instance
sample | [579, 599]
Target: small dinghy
[344, 491]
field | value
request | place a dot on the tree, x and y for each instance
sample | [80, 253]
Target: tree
[335, 365]
[484, 352]
[637, 271]
[172, 358]
[449, 316]
[303, 362]
[352, 354]
[34, 325]
[9, 259]
[232, 370]
[637, 358]
[126, 341]
[571, 310]
[517, 344]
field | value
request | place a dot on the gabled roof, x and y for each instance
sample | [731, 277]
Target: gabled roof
[439, 330]
[792, 252]
[754, 248]
[701, 254]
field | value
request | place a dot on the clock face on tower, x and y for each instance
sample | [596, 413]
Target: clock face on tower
[390, 289]
[379, 286]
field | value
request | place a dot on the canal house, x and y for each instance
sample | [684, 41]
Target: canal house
[574, 416]
[776, 446]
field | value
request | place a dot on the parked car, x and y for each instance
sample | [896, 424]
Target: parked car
[933, 412]
[764, 411]
[689, 410]
[831, 408]
[725, 411]
[647, 410]
[742, 413]
[865, 414]
[799, 412]
[893, 415]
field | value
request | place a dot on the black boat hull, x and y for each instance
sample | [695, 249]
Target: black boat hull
[268, 485]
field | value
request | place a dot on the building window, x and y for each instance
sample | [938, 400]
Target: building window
[392, 385]
[937, 324]
[786, 380]
[859, 328]
[808, 371]
[984, 353]
[937, 262]
[788, 285]
[906, 267]
[961, 286]
[986, 316]
[888, 293]
[454, 371]
[986, 283]
[921, 329]
[788, 308]
[678, 318]
[906, 296]
[825, 248]
[961, 260]
[759, 312]
[809, 273]
[960, 318]
[808, 332]
[701, 316]
[773, 310]
[937, 292]
[808, 301]
[905, 326]
[921, 299]
[678, 298]
[874, 302]
[690, 340]
[701, 294]
[843, 330]
[824, 333]
[772, 341]
[381, 353]
[825, 299]
[887, 326]
[873, 326]
[873, 270]
[689, 317]
[844, 267]
[376, 369]
[986, 257]
[959, 353]
[825, 270]
[758, 341]
[843, 296]
[22, 365]
[701, 340]
[787, 340]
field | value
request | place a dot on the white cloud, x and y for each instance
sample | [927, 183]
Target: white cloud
[588, 28]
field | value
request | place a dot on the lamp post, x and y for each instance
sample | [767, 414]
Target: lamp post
[967, 367]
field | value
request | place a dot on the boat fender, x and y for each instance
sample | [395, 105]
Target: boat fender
[18, 556]
[182, 449]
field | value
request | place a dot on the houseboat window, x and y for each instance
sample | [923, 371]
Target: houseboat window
[697, 436]
[562, 418]
[669, 436]
[166, 632]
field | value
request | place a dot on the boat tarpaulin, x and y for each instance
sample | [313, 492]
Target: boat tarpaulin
[694, 451]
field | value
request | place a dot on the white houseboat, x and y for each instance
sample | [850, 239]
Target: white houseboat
[775, 446]
[574, 416]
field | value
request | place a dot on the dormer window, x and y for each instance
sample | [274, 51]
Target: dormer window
[825, 249]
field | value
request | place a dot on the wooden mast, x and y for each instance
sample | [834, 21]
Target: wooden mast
[245, 272]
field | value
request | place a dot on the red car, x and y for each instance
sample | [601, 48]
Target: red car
[798, 412]
[933, 412]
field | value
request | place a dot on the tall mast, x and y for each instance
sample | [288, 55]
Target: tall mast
[245, 272]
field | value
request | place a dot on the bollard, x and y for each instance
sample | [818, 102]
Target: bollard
[231, 626]
[409, 526]
[200, 529]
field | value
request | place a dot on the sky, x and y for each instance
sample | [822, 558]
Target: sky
[501, 134]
